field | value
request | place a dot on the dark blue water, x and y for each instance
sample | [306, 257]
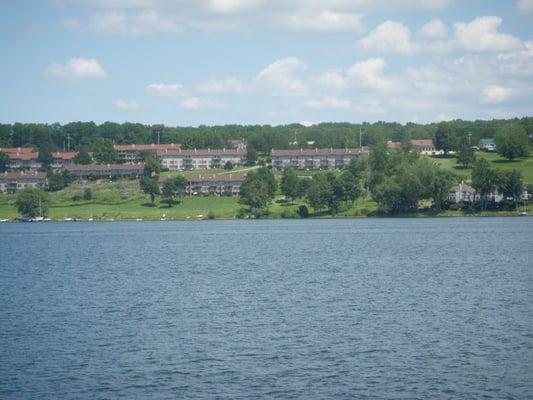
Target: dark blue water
[395, 309]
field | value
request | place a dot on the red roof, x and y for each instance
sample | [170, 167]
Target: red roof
[24, 156]
[9, 150]
[64, 155]
[144, 147]
[422, 143]
[18, 175]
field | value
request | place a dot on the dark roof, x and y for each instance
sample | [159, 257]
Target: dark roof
[319, 152]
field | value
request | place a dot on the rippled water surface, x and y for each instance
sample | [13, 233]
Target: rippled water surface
[376, 308]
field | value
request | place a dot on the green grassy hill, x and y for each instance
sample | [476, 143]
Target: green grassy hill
[524, 164]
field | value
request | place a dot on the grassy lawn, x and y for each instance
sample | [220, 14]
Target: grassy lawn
[524, 164]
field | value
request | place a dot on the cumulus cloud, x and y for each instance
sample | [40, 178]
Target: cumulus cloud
[389, 37]
[221, 86]
[126, 105]
[324, 21]
[481, 35]
[124, 23]
[77, 68]
[435, 29]
[369, 74]
[524, 6]
[165, 89]
[329, 102]
[197, 103]
[497, 94]
[280, 77]
[151, 16]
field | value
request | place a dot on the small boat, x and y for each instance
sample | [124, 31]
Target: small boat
[4, 220]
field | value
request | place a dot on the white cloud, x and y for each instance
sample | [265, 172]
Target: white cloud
[389, 37]
[324, 21]
[524, 6]
[306, 123]
[196, 103]
[369, 74]
[77, 68]
[328, 102]
[231, 6]
[221, 85]
[435, 29]
[481, 35]
[497, 94]
[165, 89]
[124, 23]
[332, 80]
[126, 105]
[280, 77]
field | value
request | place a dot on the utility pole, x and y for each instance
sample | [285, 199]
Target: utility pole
[360, 137]
[68, 141]
[469, 141]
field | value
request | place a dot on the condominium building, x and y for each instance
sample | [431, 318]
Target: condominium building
[200, 158]
[132, 153]
[315, 158]
[11, 182]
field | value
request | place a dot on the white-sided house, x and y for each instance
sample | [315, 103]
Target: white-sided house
[106, 170]
[426, 147]
[200, 158]
[11, 182]
[315, 158]
[133, 153]
[60, 159]
[221, 184]
[462, 193]
[22, 158]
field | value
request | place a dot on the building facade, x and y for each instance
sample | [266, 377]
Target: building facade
[315, 158]
[487, 144]
[22, 158]
[106, 170]
[12, 182]
[219, 185]
[200, 158]
[425, 146]
[133, 153]
[60, 159]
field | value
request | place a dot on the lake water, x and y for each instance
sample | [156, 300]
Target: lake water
[316, 309]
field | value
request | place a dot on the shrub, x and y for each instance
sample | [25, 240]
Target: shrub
[87, 194]
[77, 197]
[303, 211]
[211, 215]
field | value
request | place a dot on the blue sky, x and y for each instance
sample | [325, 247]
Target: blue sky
[208, 62]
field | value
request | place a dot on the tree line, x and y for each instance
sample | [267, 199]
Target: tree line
[96, 138]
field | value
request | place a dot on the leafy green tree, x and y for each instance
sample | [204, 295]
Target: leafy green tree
[511, 184]
[303, 186]
[104, 152]
[401, 192]
[444, 139]
[32, 203]
[228, 166]
[268, 177]
[378, 161]
[483, 179]
[181, 183]
[251, 155]
[150, 186]
[4, 161]
[465, 156]
[87, 194]
[151, 165]
[320, 194]
[351, 187]
[289, 183]
[83, 156]
[55, 181]
[168, 192]
[255, 192]
[512, 142]
[45, 157]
